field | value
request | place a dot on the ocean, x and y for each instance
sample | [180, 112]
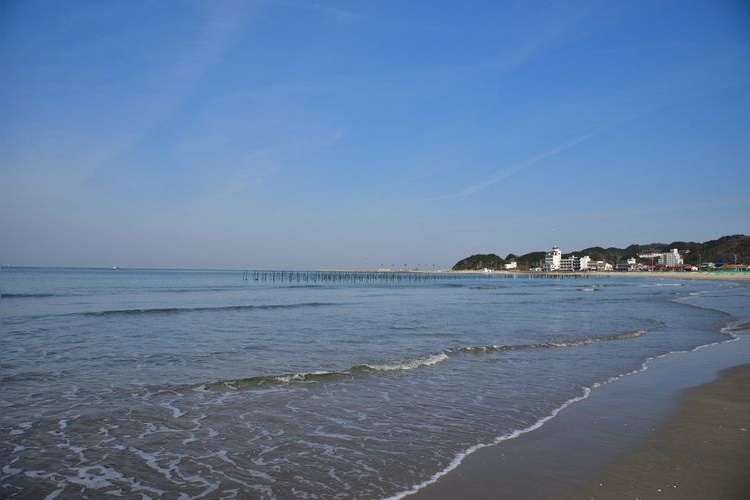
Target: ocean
[189, 384]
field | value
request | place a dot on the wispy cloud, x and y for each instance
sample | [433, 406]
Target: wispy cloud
[506, 172]
[337, 12]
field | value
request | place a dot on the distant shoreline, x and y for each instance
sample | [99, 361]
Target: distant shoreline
[693, 275]
[696, 275]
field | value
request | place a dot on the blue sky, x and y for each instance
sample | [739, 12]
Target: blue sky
[301, 134]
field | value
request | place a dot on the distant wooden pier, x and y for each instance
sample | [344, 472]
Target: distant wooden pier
[389, 277]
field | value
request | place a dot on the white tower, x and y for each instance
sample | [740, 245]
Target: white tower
[552, 259]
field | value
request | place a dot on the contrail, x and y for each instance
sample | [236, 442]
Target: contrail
[508, 171]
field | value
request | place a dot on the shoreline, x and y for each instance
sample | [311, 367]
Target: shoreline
[690, 275]
[571, 454]
[702, 450]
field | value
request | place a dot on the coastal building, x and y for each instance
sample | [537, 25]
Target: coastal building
[571, 263]
[583, 263]
[667, 259]
[652, 255]
[626, 265]
[600, 265]
[671, 258]
[511, 265]
[552, 259]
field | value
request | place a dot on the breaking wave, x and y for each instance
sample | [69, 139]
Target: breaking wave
[176, 310]
[408, 364]
[404, 364]
[547, 345]
[26, 295]
[320, 376]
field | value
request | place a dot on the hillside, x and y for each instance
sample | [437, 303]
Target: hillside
[480, 261]
[723, 249]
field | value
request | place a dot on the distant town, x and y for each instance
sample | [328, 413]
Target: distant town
[672, 259]
[728, 253]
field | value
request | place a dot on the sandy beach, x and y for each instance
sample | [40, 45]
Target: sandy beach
[701, 451]
[681, 429]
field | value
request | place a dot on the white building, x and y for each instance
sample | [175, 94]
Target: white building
[552, 259]
[584, 263]
[572, 263]
[668, 259]
[654, 255]
[671, 258]
[600, 265]
[511, 265]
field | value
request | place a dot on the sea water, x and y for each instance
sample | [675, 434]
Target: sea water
[145, 383]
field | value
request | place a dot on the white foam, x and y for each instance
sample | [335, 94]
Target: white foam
[410, 364]
[332, 435]
[459, 458]
[222, 455]
[152, 462]
[176, 412]
[23, 427]
[152, 428]
[54, 494]
[299, 377]
[736, 326]
[10, 471]
[505, 437]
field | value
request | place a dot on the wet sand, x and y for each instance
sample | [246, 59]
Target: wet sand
[702, 451]
[676, 427]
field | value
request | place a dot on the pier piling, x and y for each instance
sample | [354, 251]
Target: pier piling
[387, 277]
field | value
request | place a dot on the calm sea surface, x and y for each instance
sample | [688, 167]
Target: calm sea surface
[189, 384]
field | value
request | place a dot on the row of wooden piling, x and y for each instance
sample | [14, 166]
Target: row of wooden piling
[386, 277]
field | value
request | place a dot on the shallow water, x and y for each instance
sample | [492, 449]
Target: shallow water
[160, 383]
